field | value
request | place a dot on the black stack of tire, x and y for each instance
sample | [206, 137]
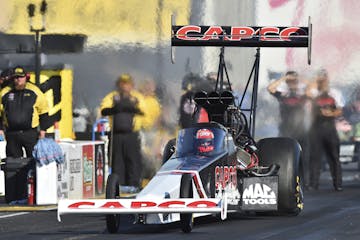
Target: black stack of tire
[16, 173]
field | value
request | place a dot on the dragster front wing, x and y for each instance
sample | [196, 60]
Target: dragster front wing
[142, 206]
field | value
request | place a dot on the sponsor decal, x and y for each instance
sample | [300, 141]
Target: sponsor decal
[224, 176]
[325, 101]
[190, 29]
[205, 138]
[75, 165]
[11, 96]
[99, 169]
[116, 98]
[237, 33]
[88, 162]
[136, 204]
[63, 178]
[260, 194]
[206, 147]
[226, 179]
[204, 134]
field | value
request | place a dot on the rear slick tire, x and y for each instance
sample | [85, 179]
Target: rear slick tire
[286, 153]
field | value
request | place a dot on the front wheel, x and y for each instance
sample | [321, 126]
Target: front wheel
[112, 192]
[186, 191]
[286, 153]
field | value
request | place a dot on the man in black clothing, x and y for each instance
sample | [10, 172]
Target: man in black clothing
[324, 139]
[192, 83]
[126, 107]
[292, 110]
[351, 113]
[24, 111]
[292, 101]
[187, 106]
[187, 110]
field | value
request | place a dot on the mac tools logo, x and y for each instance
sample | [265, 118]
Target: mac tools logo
[259, 193]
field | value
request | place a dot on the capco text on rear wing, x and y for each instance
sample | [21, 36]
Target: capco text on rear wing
[241, 36]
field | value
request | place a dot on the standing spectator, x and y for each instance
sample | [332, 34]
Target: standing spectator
[126, 106]
[292, 101]
[187, 104]
[153, 107]
[150, 135]
[326, 107]
[191, 84]
[81, 121]
[351, 113]
[6, 77]
[24, 111]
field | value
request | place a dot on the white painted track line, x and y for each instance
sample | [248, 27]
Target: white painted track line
[13, 215]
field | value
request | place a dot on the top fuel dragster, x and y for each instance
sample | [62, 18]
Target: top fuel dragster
[215, 167]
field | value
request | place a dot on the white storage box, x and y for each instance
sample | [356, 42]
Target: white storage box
[2, 174]
[46, 184]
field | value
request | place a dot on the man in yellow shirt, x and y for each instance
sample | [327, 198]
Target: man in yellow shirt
[126, 108]
[153, 107]
[24, 114]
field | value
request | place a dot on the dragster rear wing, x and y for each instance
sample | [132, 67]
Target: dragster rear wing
[142, 206]
[241, 36]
